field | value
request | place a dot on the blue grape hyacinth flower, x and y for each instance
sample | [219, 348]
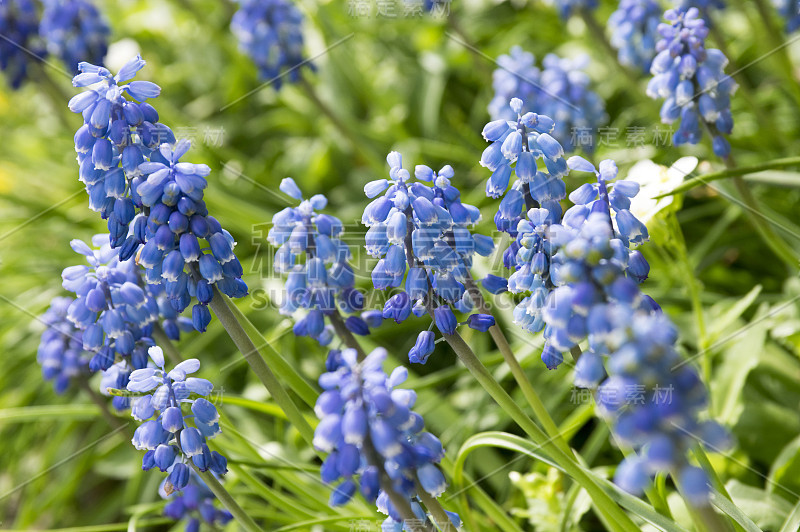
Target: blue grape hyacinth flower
[634, 32]
[421, 236]
[270, 33]
[19, 24]
[166, 435]
[568, 7]
[74, 31]
[516, 77]
[320, 279]
[567, 98]
[369, 429]
[115, 313]
[61, 354]
[120, 131]
[790, 10]
[692, 81]
[171, 232]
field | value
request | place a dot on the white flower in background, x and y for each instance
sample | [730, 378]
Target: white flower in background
[654, 180]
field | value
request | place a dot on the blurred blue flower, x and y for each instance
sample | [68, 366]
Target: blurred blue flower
[20, 46]
[61, 354]
[692, 81]
[195, 505]
[634, 32]
[74, 31]
[516, 77]
[790, 10]
[568, 7]
[270, 32]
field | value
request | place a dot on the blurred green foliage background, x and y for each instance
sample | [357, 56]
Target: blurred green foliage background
[419, 86]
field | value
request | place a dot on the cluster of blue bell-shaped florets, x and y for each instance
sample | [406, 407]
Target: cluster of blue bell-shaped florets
[320, 278]
[590, 259]
[634, 32]
[120, 131]
[74, 31]
[421, 233]
[170, 441]
[113, 310]
[369, 429]
[692, 81]
[61, 354]
[195, 504]
[131, 163]
[514, 150]
[172, 232]
[271, 33]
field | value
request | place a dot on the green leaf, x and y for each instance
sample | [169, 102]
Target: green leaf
[521, 445]
[738, 360]
[792, 523]
[766, 510]
[732, 172]
[785, 471]
[25, 414]
[733, 313]
[732, 511]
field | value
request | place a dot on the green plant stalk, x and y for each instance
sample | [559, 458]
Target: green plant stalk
[732, 171]
[694, 295]
[282, 368]
[597, 33]
[702, 459]
[227, 500]
[704, 517]
[110, 418]
[778, 45]
[345, 335]
[539, 410]
[166, 344]
[442, 520]
[258, 365]
[608, 511]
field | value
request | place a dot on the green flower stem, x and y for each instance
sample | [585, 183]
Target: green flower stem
[258, 365]
[227, 500]
[598, 34]
[116, 423]
[441, 518]
[775, 35]
[539, 410]
[704, 517]
[694, 295]
[732, 171]
[608, 511]
[345, 335]
[275, 360]
[166, 344]
[363, 146]
[702, 459]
